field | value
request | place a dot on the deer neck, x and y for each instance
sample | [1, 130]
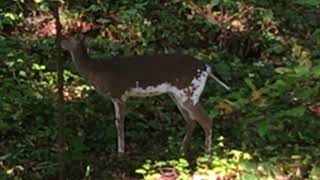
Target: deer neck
[81, 60]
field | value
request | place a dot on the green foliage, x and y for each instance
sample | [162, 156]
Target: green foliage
[10, 13]
[268, 124]
[151, 170]
[308, 2]
[229, 164]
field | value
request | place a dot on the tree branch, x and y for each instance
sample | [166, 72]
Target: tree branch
[54, 7]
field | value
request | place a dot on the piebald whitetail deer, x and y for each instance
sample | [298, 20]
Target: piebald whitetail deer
[182, 77]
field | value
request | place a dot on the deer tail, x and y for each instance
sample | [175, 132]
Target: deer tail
[217, 78]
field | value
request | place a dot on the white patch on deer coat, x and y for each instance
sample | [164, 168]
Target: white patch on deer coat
[198, 83]
[156, 90]
[192, 92]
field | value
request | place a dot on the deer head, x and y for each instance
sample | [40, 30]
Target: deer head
[72, 43]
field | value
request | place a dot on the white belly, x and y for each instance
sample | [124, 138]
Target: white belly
[148, 91]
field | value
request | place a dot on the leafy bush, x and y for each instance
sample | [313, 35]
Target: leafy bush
[268, 51]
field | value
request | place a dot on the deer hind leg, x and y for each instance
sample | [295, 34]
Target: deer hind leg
[191, 124]
[197, 113]
[119, 108]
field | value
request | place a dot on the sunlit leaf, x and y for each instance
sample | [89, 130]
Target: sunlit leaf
[314, 173]
[12, 16]
[282, 70]
[141, 171]
[248, 176]
[23, 73]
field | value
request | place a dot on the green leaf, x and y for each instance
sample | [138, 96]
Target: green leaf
[44, 7]
[11, 16]
[250, 84]
[213, 113]
[316, 33]
[276, 48]
[247, 176]
[307, 2]
[214, 3]
[279, 84]
[23, 73]
[282, 70]
[263, 127]
[224, 70]
[248, 166]
[301, 70]
[296, 112]
[316, 70]
[38, 67]
[183, 162]
[141, 171]
[314, 173]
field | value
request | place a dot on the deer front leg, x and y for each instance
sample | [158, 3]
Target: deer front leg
[120, 108]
